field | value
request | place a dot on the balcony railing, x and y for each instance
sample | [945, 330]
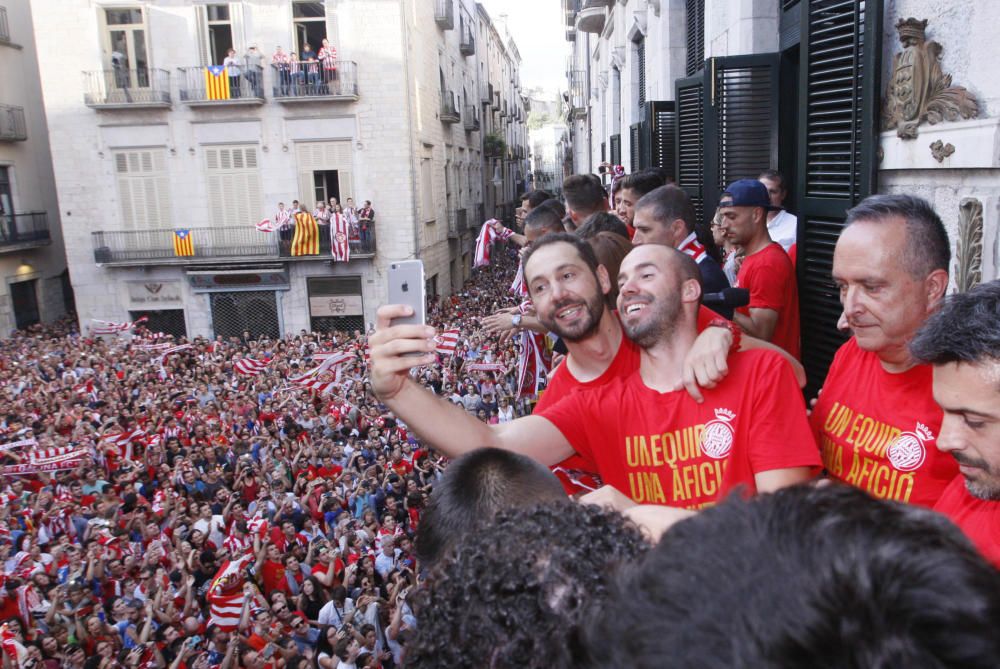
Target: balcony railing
[449, 112]
[452, 224]
[23, 230]
[467, 44]
[462, 218]
[444, 13]
[471, 118]
[126, 89]
[4, 26]
[135, 247]
[12, 125]
[485, 92]
[302, 81]
[204, 86]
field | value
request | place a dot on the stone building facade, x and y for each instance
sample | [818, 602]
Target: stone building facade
[150, 139]
[714, 90]
[34, 285]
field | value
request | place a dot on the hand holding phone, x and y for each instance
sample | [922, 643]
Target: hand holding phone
[406, 286]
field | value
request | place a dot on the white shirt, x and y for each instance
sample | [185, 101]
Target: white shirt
[334, 614]
[783, 229]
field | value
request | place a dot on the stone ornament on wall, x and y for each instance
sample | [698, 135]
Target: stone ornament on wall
[940, 150]
[969, 246]
[918, 90]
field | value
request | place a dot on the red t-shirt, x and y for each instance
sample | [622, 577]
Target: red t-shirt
[770, 277]
[562, 383]
[273, 576]
[978, 518]
[665, 448]
[878, 431]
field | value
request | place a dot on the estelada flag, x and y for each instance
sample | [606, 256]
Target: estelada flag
[216, 83]
[305, 241]
[183, 244]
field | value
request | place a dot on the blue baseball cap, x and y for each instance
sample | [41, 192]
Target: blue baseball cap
[747, 193]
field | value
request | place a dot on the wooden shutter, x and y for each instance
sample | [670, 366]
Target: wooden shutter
[143, 189]
[635, 133]
[694, 28]
[741, 121]
[640, 60]
[234, 189]
[836, 166]
[661, 120]
[201, 29]
[615, 145]
[689, 166]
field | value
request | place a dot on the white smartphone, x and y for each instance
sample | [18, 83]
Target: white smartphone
[406, 286]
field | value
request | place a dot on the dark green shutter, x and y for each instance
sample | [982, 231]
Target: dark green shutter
[615, 145]
[694, 29]
[640, 57]
[836, 167]
[661, 122]
[741, 121]
[635, 133]
[689, 166]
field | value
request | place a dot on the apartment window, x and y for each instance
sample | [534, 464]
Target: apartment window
[125, 43]
[309, 22]
[143, 188]
[220, 32]
[427, 185]
[233, 185]
[6, 197]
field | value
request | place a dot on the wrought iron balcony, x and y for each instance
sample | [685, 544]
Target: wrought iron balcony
[467, 45]
[127, 89]
[449, 112]
[140, 247]
[452, 224]
[303, 81]
[12, 125]
[23, 230]
[215, 86]
[444, 13]
[471, 117]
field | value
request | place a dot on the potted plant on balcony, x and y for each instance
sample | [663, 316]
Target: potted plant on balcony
[493, 145]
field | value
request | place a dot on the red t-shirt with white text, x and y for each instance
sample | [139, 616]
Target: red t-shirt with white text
[562, 383]
[770, 277]
[665, 448]
[878, 431]
[978, 518]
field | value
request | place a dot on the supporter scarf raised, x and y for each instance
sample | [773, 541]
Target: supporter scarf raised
[484, 242]
[340, 245]
[108, 327]
[534, 362]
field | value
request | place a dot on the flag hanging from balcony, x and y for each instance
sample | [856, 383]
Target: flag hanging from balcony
[305, 241]
[340, 231]
[216, 83]
[183, 244]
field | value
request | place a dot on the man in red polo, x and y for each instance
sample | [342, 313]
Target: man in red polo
[962, 343]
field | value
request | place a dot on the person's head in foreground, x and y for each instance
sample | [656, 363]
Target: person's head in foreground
[514, 592]
[805, 577]
[962, 342]
[473, 489]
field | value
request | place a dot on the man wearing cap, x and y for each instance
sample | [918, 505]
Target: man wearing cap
[767, 272]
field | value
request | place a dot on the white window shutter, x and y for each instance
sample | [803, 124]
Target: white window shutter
[201, 30]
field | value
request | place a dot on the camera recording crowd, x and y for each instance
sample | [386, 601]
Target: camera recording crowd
[398, 498]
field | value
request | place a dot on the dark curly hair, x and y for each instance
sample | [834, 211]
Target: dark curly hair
[514, 592]
[806, 577]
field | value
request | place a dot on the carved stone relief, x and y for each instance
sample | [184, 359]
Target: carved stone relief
[940, 150]
[918, 90]
[969, 246]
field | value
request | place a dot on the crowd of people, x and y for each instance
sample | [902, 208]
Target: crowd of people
[406, 498]
[167, 461]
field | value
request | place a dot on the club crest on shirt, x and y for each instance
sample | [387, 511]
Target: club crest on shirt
[907, 451]
[718, 436]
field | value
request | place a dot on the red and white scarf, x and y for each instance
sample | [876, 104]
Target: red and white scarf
[484, 242]
[692, 247]
[617, 172]
[108, 327]
[340, 232]
[534, 362]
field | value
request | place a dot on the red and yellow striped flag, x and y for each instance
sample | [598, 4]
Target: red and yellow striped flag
[305, 241]
[216, 83]
[183, 243]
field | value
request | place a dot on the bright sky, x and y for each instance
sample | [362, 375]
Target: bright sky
[539, 30]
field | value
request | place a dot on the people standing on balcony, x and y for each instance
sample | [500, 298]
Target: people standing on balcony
[584, 196]
[309, 74]
[283, 219]
[254, 60]
[328, 56]
[782, 226]
[351, 212]
[322, 216]
[282, 63]
[333, 203]
[366, 223]
[234, 72]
